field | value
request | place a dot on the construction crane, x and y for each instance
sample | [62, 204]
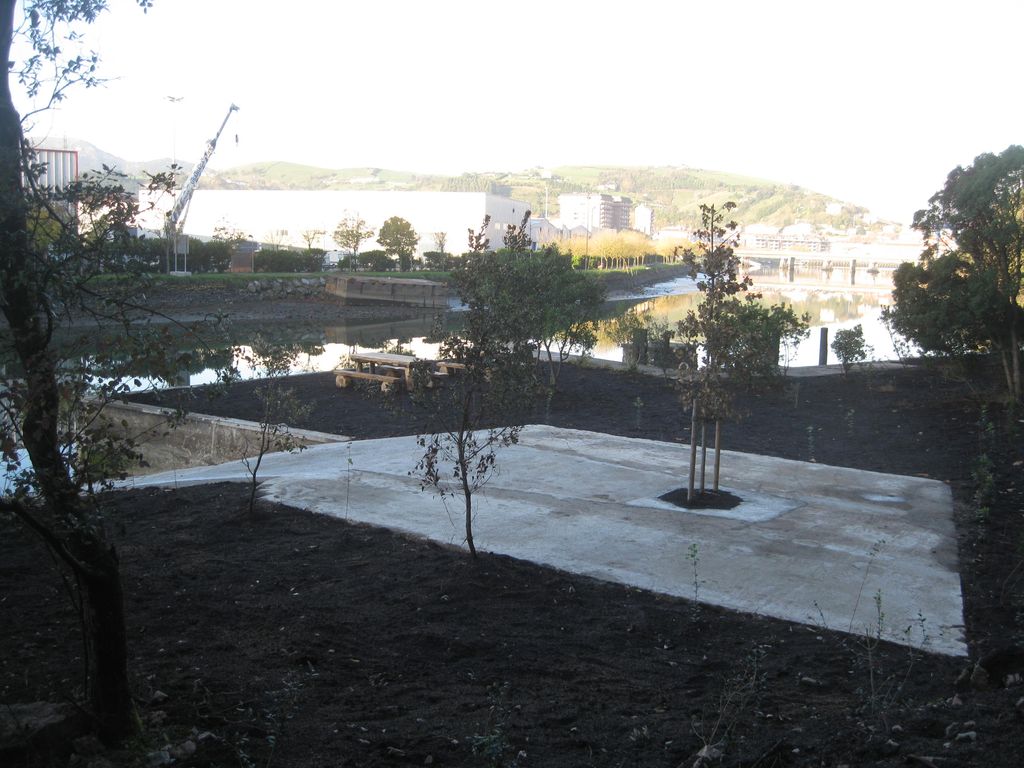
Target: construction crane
[176, 216]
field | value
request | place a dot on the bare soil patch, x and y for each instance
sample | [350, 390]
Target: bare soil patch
[292, 639]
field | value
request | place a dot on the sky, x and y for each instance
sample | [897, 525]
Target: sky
[870, 102]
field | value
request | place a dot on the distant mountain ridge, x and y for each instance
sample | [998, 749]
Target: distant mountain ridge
[675, 193]
[92, 159]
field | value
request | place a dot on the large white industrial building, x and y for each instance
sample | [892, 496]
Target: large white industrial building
[285, 218]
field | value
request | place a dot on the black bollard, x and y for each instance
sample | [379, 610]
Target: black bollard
[823, 347]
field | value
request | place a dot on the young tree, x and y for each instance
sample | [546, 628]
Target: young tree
[849, 346]
[980, 210]
[350, 234]
[49, 261]
[517, 238]
[278, 405]
[440, 241]
[738, 339]
[480, 409]
[311, 237]
[399, 239]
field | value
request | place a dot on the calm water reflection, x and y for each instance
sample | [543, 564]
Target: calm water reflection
[829, 304]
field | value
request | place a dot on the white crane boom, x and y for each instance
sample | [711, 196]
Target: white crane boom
[175, 214]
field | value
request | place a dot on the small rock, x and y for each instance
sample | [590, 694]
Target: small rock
[183, 750]
[951, 729]
[969, 725]
[707, 753]
[966, 737]
[158, 758]
[810, 682]
[88, 746]
[157, 717]
[158, 697]
[205, 735]
[890, 747]
[956, 701]
[1020, 704]
[980, 680]
[896, 729]
[429, 760]
[41, 726]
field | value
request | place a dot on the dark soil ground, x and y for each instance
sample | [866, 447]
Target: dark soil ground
[290, 639]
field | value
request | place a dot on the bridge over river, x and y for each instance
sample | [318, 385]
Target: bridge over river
[863, 268]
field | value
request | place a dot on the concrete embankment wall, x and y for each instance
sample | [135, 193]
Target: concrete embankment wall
[195, 441]
[387, 290]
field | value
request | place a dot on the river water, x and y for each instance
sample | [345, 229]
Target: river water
[828, 304]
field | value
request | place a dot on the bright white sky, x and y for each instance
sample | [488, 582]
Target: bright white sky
[872, 102]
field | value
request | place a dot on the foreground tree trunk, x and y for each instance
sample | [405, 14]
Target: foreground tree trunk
[64, 523]
[109, 689]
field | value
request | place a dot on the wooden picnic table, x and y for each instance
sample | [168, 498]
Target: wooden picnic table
[370, 360]
[388, 368]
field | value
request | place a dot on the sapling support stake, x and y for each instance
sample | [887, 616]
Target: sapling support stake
[703, 454]
[693, 452]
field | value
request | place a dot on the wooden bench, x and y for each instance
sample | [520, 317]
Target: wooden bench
[388, 382]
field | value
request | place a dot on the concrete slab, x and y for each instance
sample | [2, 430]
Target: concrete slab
[809, 543]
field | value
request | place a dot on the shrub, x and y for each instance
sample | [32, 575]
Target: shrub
[277, 260]
[849, 347]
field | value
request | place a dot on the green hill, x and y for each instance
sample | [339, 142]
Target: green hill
[675, 193]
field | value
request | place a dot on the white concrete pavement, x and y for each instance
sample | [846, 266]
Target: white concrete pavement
[809, 543]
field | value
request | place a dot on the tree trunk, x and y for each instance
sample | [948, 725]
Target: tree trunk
[76, 539]
[106, 639]
[467, 493]
[468, 496]
[1015, 358]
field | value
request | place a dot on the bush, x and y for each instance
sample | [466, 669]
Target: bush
[277, 260]
[212, 256]
[849, 346]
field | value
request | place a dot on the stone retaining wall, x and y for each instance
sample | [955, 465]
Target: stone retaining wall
[197, 441]
[285, 288]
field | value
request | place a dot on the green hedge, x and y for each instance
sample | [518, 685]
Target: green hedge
[277, 260]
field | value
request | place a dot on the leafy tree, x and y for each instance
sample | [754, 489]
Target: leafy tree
[399, 239]
[980, 209]
[48, 271]
[376, 261]
[351, 233]
[946, 306]
[738, 340]
[620, 249]
[435, 260]
[480, 409]
[556, 306]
